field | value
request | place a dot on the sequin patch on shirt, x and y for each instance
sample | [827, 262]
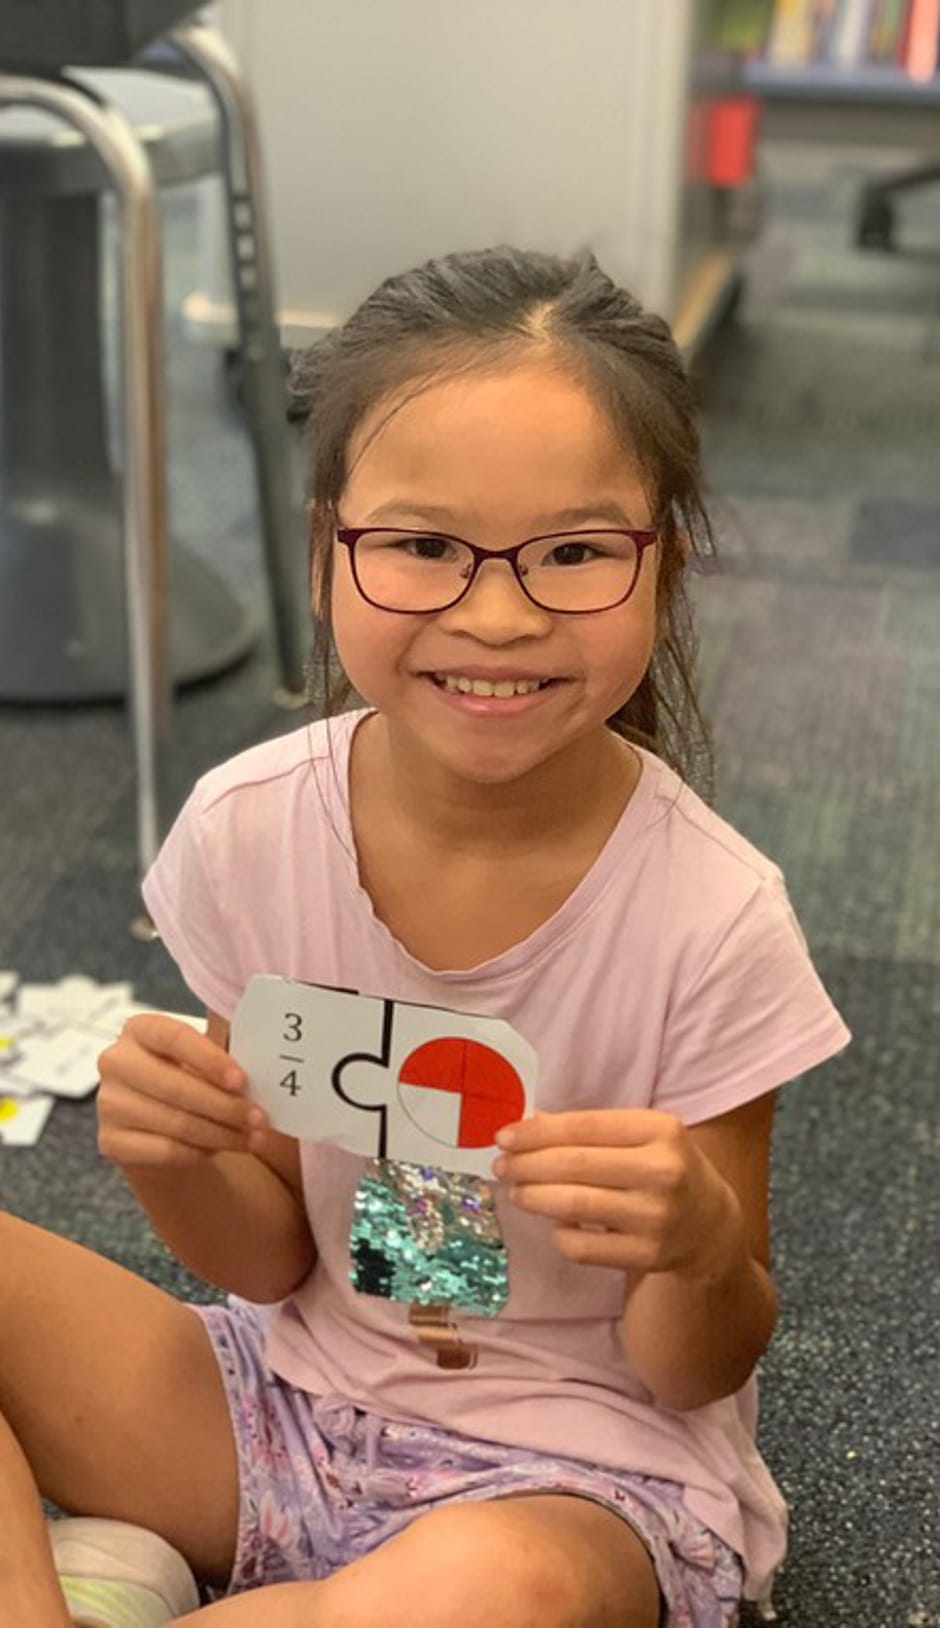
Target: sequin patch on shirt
[428, 1235]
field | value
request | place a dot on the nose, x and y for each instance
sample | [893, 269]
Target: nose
[495, 610]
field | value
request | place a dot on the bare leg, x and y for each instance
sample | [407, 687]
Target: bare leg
[111, 1403]
[29, 1591]
[543, 1561]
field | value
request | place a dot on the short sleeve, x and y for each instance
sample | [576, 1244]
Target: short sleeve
[186, 907]
[754, 1017]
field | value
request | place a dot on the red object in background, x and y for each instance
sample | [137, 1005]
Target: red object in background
[732, 141]
[722, 139]
[921, 44]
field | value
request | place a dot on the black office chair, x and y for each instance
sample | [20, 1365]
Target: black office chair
[95, 656]
[84, 33]
[877, 217]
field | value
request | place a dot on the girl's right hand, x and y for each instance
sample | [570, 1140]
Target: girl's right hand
[169, 1097]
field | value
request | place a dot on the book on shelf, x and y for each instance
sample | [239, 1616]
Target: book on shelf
[889, 30]
[741, 25]
[853, 34]
[792, 38]
[920, 58]
[828, 18]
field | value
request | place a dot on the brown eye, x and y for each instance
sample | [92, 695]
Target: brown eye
[570, 554]
[427, 547]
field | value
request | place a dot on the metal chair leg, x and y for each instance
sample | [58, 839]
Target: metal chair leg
[144, 426]
[252, 275]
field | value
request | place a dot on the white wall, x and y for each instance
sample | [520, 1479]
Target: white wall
[399, 129]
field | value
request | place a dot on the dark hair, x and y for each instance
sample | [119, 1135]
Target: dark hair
[489, 309]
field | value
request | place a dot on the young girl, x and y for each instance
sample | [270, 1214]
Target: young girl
[505, 500]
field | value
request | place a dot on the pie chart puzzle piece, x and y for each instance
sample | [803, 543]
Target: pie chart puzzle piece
[484, 1086]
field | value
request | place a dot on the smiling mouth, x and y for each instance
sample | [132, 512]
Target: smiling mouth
[502, 689]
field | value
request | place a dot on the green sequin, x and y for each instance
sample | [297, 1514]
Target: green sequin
[427, 1235]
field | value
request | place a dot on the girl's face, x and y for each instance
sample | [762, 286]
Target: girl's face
[495, 459]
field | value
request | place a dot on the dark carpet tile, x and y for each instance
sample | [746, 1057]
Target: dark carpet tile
[892, 533]
[63, 1184]
[887, 300]
[849, 1414]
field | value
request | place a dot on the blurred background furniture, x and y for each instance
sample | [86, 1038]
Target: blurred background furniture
[875, 228]
[62, 627]
[74, 625]
[858, 72]
[92, 33]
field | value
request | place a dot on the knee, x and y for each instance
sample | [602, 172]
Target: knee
[523, 1576]
[462, 1568]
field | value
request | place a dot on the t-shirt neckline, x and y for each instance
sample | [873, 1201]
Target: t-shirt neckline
[580, 901]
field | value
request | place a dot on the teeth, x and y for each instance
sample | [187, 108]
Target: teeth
[481, 686]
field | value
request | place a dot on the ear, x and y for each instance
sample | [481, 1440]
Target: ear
[685, 546]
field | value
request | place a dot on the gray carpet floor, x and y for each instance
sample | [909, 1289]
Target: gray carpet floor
[821, 674]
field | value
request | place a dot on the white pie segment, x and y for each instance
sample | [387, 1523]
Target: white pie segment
[432, 1114]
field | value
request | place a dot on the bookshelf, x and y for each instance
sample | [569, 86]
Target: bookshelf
[856, 71]
[869, 82]
[709, 244]
[850, 70]
[872, 108]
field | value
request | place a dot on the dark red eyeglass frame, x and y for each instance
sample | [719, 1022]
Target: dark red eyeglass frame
[350, 535]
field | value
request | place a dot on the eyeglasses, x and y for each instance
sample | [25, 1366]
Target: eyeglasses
[572, 573]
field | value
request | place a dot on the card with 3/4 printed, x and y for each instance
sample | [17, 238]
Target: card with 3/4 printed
[386, 1078]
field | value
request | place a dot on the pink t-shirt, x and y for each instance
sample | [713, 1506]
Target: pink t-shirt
[675, 976]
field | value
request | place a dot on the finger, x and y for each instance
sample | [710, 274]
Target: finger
[617, 1249]
[259, 1140]
[593, 1127]
[137, 1149]
[587, 1206]
[123, 1110]
[184, 1045]
[152, 1076]
[594, 1166]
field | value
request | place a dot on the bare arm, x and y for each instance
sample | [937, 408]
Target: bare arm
[682, 1212]
[694, 1337]
[235, 1218]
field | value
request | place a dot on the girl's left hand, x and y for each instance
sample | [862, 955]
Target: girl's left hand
[649, 1199]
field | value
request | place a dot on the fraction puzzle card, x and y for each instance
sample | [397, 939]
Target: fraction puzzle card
[385, 1078]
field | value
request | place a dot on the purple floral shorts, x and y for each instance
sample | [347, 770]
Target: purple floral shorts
[323, 1482]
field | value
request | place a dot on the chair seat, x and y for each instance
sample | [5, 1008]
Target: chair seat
[175, 121]
[36, 34]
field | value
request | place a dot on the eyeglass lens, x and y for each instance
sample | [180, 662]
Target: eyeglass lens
[421, 572]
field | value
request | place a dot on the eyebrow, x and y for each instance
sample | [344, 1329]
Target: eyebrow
[610, 512]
